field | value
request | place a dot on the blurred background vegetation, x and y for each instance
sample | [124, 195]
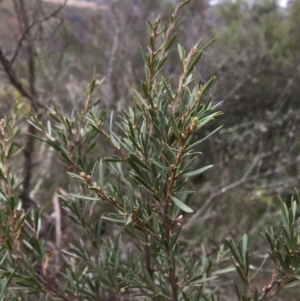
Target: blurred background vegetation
[256, 58]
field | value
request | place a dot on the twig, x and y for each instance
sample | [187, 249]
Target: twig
[231, 186]
[29, 27]
[14, 79]
[267, 289]
[30, 94]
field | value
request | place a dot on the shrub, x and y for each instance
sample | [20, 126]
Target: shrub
[143, 179]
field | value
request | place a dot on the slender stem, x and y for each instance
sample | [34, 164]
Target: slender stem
[267, 289]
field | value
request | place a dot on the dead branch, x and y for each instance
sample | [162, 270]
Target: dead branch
[14, 80]
[233, 185]
[26, 27]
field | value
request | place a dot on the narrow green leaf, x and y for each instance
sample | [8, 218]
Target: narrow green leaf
[244, 246]
[142, 100]
[111, 122]
[188, 80]
[237, 292]
[200, 282]
[170, 42]
[185, 3]
[231, 244]
[200, 141]
[74, 176]
[150, 24]
[139, 162]
[198, 171]
[208, 86]
[168, 88]
[174, 126]
[208, 44]
[114, 220]
[147, 277]
[175, 237]
[241, 274]
[128, 220]
[194, 62]
[161, 63]
[117, 159]
[135, 167]
[181, 52]
[83, 197]
[37, 126]
[10, 149]
[196, 278]
[255, 296]
[101, 173]
[282, 261]
[181, 205]
[93, 169]
[155, 162]
[142, 181]
[6, 281]
[269, 240]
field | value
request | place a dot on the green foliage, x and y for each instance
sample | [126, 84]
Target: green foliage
[144, 180]
[283, 251]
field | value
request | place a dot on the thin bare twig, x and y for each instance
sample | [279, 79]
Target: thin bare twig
[231, 186]
[30, 94]
[16, 83]
[29, 27]
[267, 289]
